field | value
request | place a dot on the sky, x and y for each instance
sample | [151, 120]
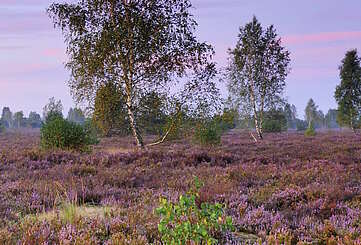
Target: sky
[316, 32]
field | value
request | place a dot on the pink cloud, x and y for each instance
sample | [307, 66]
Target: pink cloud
[321, 37]
[54, 52]
[16, 68]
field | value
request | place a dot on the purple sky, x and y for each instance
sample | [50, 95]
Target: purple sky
[316, 32]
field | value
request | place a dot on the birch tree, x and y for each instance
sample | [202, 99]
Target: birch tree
[139, 45]
[311, 113]
[258, 67]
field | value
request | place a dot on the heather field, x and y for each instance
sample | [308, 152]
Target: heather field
[287, 189]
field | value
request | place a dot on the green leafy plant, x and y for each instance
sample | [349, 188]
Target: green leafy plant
[275, 122]
[185, 221]
[227, 120]
[59, 133]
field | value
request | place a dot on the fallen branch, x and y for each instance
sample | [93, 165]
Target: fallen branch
[254, 138]
[164, 137]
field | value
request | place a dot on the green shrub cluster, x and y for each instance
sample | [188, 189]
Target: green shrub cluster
[187, 223]
[208, 133]
[275, 121]
[59, 133]
[273, 126]
[228, 119]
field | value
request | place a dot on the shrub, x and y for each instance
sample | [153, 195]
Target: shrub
[272, 126]
[90, 132]
[227, 120]
[275, 121]
[310, 131]
[2, 128]
[185, 222]
[59, 133]
[180, 126]
[151, 116]
[208, 133]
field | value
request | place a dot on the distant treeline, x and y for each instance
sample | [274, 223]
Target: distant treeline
[110, 117]
[17, 120]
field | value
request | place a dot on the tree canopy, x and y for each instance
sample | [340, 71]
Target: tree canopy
[54, 108]
[139, 45]
[311, 112]
[348, 93]
[258, 67]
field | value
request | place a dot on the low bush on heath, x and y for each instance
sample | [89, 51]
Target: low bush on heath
[186, 222]
[208, 134]
[274, 122]
[59, 133]
[310, 131]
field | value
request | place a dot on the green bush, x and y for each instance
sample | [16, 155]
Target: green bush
[272, 126]
[53, 115]
[59, 133]
[187, 223]
[274, 122]
[227, 120]
[310, 131]
[91, 132]
[208, 133]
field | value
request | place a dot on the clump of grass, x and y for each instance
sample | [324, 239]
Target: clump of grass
[69, 213]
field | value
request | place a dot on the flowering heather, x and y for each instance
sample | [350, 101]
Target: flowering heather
[287, 189]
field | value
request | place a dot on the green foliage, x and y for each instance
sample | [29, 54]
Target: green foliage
[186, 222]
[69, 213]
[110, 115]
[348, 93]
[53, 109]
[272, 126]
[137, 46]
[310, 131]
[59, 133]
[150, 114]
[208, 133]
[257, 70]
[53, 115]
[228, 119]
[91, 134]
[275, 121]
